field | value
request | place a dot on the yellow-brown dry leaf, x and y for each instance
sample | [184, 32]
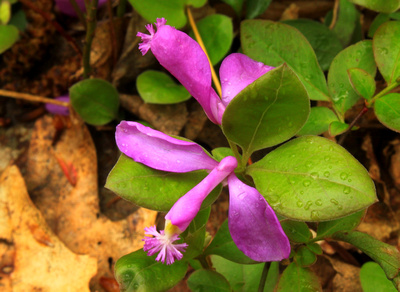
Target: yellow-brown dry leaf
[32, 258]
[73, 212]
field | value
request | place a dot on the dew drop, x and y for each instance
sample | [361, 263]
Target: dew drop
[314, 175]
[299, 204]
[346, 190]
[178, 161]
[308, 205]
[327, 174]
[292, 181]
[306, 183]
[309, 140]
[241, 196]
[318, 202]
[273, 199]
[314, 215]
[340, 207]
[309, 164]
[349, 180]
[301, 193]
[333, 201]
[344, 176]
[327, 158]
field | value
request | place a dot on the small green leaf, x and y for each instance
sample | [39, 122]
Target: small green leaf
[362, 82]
[217, 34]
[387, 256]
[159, 88]
[276, 43]
[95, 100]
[296, 231]
[137, 272]
[386, 44]
[196, 3]
[304, 257]
[5, 11]
[8, 36]
[298, 279]
[313, 179]
[255, 8]
[385, 6]
[267, 112]
[207, 280]
[153, 189]
[337, 128]
[348, 223]
[318, 122]
[221, 152]
[346, 22]
[324, 41]
[387, 110]
[373, 279]
[380, 19]
[236, 5]
[360, 56]
[315, 248]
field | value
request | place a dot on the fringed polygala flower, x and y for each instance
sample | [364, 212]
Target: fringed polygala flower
[184, 58]
[252, 223]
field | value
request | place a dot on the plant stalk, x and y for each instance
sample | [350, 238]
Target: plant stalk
[33, 98]
[91, 27]
[264, 276]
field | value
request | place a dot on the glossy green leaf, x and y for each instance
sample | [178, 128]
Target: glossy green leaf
[380, 19]
[386, 44]
[346, 23]
[207, 280]
[159, 88]
[324, 41]
[298, 279]
[5, 11]
[296, 231]
[153, 189]
[373, 279]
[236, 5]
[304, 257]
[246, 278]
[217, 34]
[276, 43]
[337, 128]
[387, 110]
[313, 179]
[387, 256]
[255, 8]
[327, 228]
[95, 100]
[267, 112]
[363, 83]
[221, 152]
[318, 122]
[315, 248]
[360, 56]
[385, 6]
[224, 246]
[8, 36]
[196, 3]
[138, 272]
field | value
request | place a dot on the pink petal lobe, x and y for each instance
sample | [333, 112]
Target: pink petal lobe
[58, 109]
[253, 225]
[187, 207]
[237, 71]
[160, 151]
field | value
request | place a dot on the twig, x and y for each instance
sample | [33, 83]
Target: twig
[344, 135]
[78, 12]
[334, 14]
[91, 26]
[56, 25]
[33, 98]
[114, 48]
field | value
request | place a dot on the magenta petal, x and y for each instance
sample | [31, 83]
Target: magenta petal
[184, 58]
[238, 71]
[253, 225]
[187, 207]
[58, 109]
[160, 151]
[65, 6]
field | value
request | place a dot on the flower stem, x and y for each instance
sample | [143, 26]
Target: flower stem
[91, 26]
[32, 98]
[78, 12]
[200, 41]
[386, 90]
[264, 277]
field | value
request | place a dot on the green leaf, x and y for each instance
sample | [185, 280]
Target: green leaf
[159, 88]
[295, 278]
[19, 20]
[8, 36]
[324, 42]
[236, 5]
[363, 83]
[346, 23]
[318, 122]
[207, 280]
[267, 112]
[296, 231]
[373, 279]
[315, 248]
[5, 11]
[360, 56]
[276, 43]
[153, 189]
[380, 19]
[138, 272]
[387, 110]
[387, 256]
[95, 100]
[224, 246]
[337, 128]
[246, 278]
[386, 44]
[217, 34]
[348, 223]
[304, 257]
[196, 3]
[313, 179]
[385, 6]
[221, 152]
[255, 8]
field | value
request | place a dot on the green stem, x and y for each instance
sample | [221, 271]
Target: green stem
[386, 90]
[91, 27]
[203, 261]
[78, 12]
[264, 276]
[235, 151]
[121, 8]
